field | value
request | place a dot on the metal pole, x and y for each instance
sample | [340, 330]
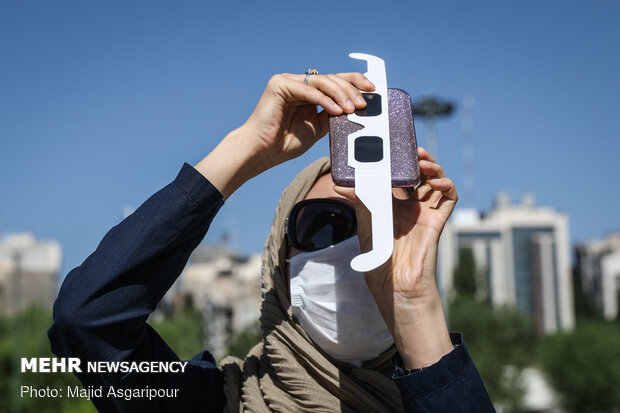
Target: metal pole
[468, 151]
[429, 109]
[431, 137]
[16, 401]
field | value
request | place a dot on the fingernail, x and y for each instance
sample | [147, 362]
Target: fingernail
[360, 100]
[350, 104]
[335, 107]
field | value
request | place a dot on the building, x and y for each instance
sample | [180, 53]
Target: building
[225, 287]
[28, 272]
[523, 254]
[598, 268]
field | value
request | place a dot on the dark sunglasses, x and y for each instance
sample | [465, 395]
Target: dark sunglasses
[314, 224]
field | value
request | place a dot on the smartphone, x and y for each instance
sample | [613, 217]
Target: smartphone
[403, 145]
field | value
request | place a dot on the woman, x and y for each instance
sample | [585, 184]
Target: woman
[382, 344]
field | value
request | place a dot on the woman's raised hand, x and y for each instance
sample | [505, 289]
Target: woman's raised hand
[419, 219]
[405, 286]
[284, 124]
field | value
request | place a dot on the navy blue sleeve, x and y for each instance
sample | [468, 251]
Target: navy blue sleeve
[103, 305]
[453, 384]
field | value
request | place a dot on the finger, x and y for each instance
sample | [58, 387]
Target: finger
[323, 126]
[299, 91]
[349, 194]
[355, 78]
[358, 80]
[402, 193]
[344, 88]
[336, 90]
[346, 192]
[341, 91]
[328, 85]
[445, 186]
[317, 124]
[424, 192]
[364, 231]
[423, 154]
[431, 169]
[354, 94]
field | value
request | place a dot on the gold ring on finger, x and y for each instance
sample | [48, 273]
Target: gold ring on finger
[309, 73]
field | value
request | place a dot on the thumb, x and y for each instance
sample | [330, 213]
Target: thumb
[346, 192]
[364, 231]
[349, 193]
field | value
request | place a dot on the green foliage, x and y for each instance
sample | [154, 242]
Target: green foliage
[25, 335]
[465, 274]
[500, 341]
[584, 366]
[584, 307]
[183, 333]
[243, 342]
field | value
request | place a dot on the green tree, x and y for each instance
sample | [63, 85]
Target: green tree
[584, 366]
[25, 335]
[500, 339]
[501, 342]
[584, 307]
[465, 274]
[182, 332]
[244, 341]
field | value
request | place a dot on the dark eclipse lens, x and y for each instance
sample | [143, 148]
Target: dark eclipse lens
[373, 105]
[321, 223]
[368, 149]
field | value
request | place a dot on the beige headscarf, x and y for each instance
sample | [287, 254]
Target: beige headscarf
[286, 371]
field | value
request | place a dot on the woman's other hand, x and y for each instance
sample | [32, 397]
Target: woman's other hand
[405, 287]
[284, 124]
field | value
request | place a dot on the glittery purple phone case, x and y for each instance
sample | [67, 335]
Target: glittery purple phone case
[403, 146]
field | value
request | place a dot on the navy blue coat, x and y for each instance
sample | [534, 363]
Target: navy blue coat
[101, 311]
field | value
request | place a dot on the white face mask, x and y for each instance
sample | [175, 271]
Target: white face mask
[333, 304]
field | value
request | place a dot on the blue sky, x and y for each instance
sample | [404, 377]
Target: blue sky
[102, 102]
